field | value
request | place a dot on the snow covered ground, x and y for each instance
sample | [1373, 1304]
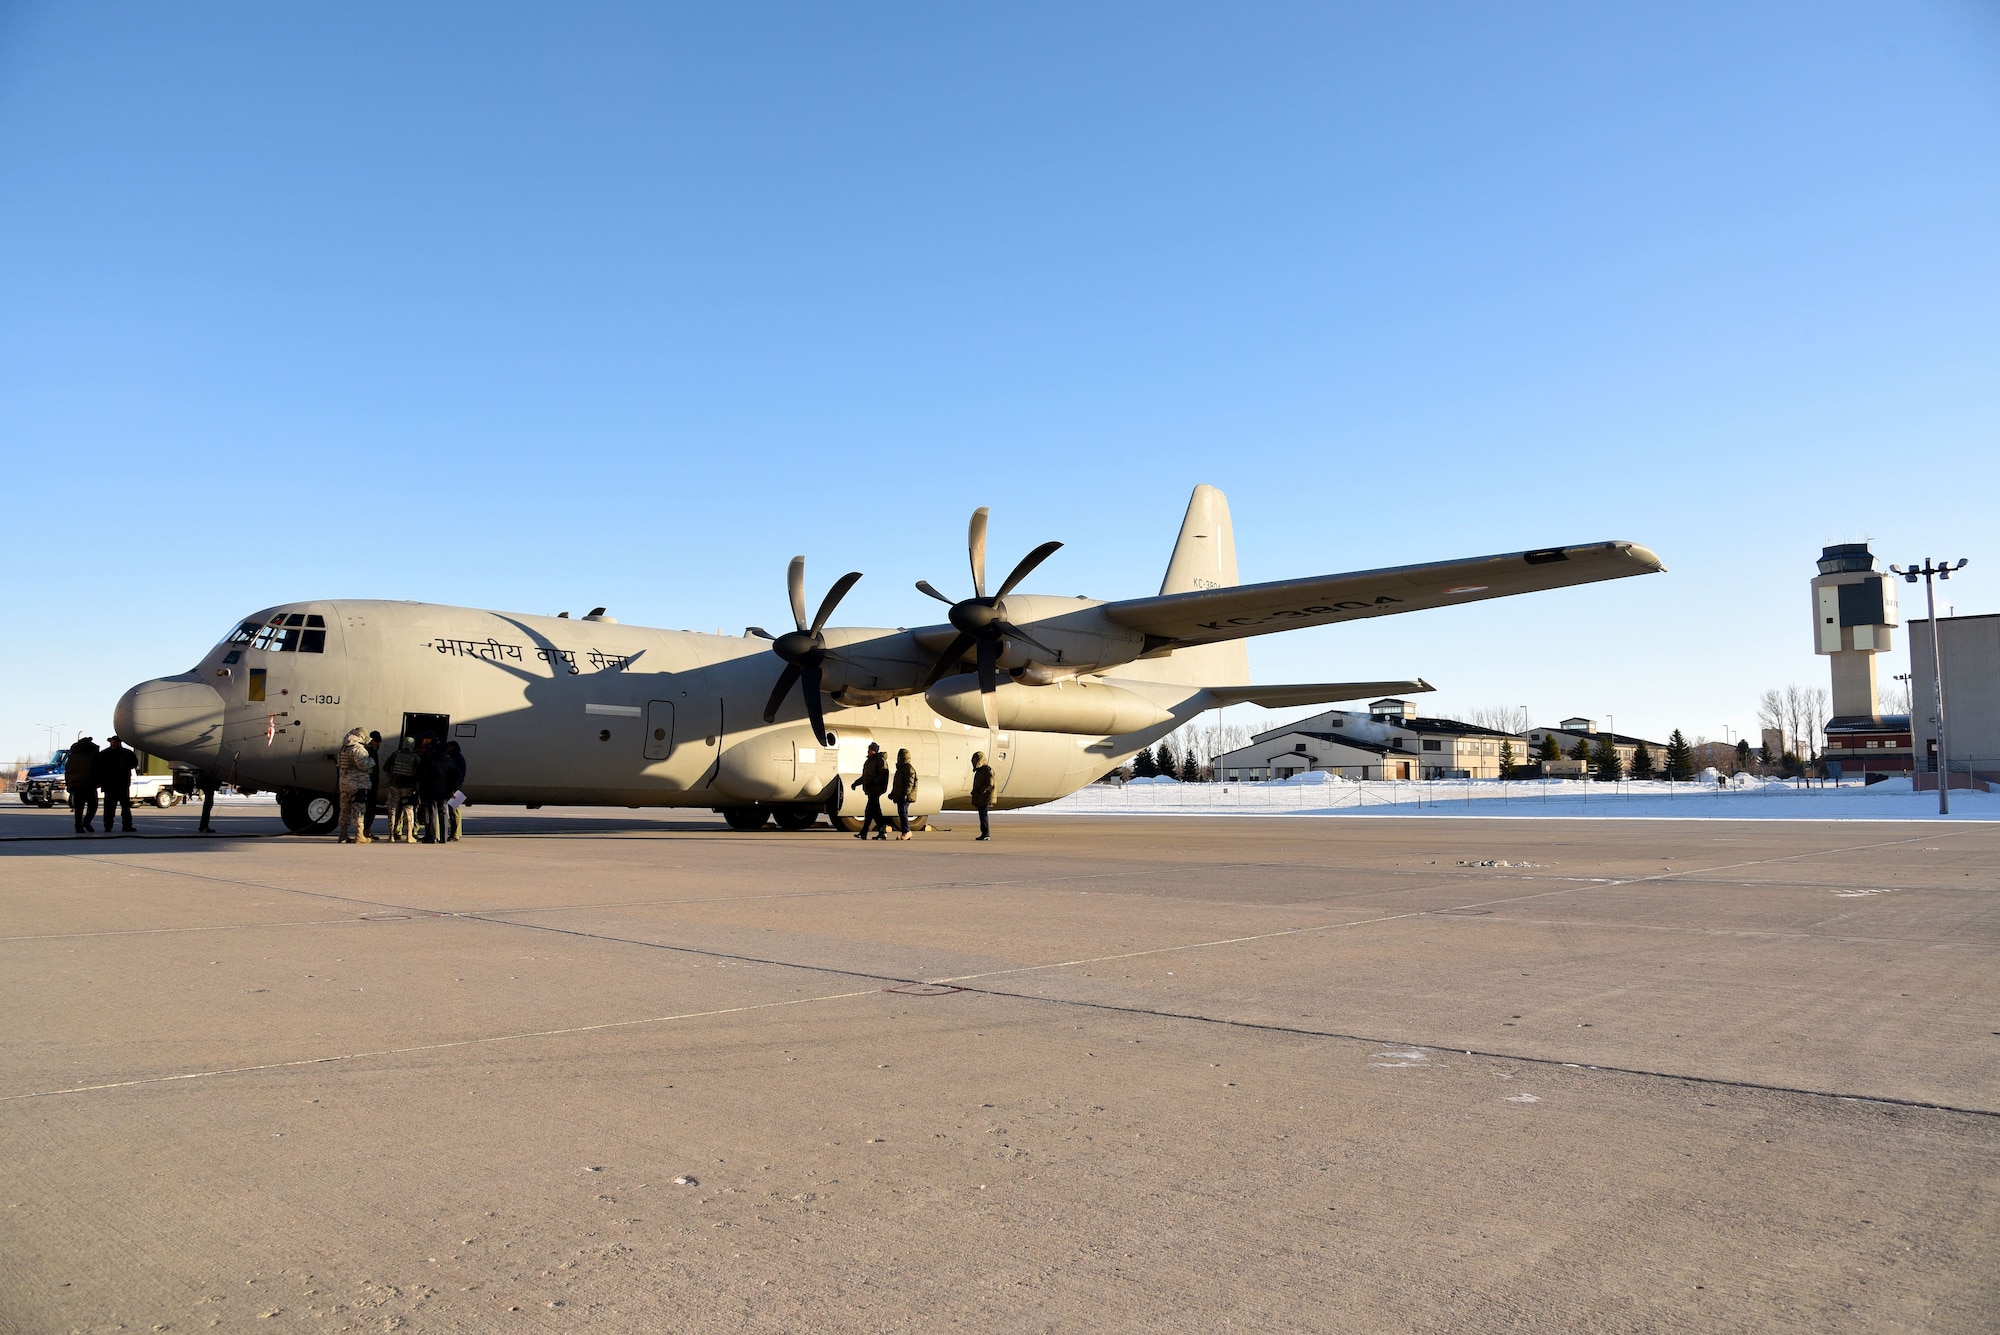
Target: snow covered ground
[1326, 795]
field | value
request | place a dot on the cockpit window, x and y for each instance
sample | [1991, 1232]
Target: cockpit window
[285, 633]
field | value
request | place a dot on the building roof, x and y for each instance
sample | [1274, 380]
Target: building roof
[1452, 726]
[1869, 723]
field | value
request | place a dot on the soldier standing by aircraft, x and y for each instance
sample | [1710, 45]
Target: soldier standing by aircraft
[112, 768]
[374, 785]
[82, 783]
[903, 792]
[209, 781]
[356, 769]
[982, 792]
[434, 790]
[874, 782]
[401, 783]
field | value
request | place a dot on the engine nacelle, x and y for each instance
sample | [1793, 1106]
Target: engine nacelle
[1077, 706]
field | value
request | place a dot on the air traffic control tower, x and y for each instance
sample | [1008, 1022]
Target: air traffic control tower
[1854, 615]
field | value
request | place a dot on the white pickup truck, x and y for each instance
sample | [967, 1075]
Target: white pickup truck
[43, 785]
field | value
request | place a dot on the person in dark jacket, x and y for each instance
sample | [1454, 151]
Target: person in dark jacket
[81, 780]
[982, 792]
[374, 807]
[113, 769]
[903, 791]
[434, 788]
[209, 781]
[874, 782]
[455, 815]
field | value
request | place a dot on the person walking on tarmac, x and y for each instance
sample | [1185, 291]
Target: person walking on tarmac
[81, 781]
[454, 806]
[209, 781]
[356, 768]
[903, 792]
[982, 792]
[112, 768]
[874, 782]
[399, 784]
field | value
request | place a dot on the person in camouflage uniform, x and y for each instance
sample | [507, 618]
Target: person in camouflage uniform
[357, 770]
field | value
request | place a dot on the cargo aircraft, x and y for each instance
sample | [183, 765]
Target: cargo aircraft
[559, 711]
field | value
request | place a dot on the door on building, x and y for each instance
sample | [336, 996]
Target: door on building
[659, 729]
[419, 725]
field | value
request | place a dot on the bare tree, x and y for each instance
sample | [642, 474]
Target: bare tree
[1896, 697]
[1817, 712]
[1771, 714]
[1509, 719]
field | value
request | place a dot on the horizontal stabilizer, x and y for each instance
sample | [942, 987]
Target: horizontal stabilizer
[1313, 693]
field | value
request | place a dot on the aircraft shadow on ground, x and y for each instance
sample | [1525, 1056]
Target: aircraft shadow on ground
[47, 834]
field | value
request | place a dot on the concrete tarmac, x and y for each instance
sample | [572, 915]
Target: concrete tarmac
[602, 1071]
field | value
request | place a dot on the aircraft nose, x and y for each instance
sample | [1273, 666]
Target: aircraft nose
[177, 717]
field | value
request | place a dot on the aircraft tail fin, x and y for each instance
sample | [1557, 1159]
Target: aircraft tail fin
[1204, 558]
[1205, 553]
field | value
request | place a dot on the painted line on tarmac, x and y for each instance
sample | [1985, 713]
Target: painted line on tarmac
[433, 1047]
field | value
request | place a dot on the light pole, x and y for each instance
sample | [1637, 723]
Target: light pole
[1942, 570]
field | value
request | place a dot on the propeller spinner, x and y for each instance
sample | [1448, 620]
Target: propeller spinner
[982, 622]
[804, 649]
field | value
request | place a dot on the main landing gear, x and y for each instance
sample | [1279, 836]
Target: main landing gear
[789, 815]
[308, 813]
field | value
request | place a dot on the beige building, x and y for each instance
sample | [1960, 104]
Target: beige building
[1389, 741]
[1572, 730]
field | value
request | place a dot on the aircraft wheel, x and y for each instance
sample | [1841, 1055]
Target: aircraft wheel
[796, 818]
[851, 824]
[308, 813]
[745, 818]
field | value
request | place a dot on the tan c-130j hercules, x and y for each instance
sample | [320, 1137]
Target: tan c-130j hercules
[549, 711]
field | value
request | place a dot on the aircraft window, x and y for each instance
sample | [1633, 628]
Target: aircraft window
[290, 634]
[243, 634]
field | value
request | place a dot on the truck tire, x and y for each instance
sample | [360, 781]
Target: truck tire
[165, 798]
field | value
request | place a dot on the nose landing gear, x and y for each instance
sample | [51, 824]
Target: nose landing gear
[307, 813]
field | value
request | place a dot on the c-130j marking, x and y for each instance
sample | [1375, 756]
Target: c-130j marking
[552, 711]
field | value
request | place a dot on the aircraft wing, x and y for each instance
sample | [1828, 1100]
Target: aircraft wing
[1209, 615]
[1317, 693]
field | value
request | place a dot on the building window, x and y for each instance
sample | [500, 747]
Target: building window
[1432, 744]
[1300, 748]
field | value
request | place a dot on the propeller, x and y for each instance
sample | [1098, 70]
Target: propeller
[982, 622]
[804, 649]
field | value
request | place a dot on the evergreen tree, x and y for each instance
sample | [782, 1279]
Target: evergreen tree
[1143, 765]
[1642, 761]
[1680, 758]
[1164, 761]
[1190, 769]
[1742, 756]
[1605, 762]
[1581, 751]
[1549, 750]
[1506, 760]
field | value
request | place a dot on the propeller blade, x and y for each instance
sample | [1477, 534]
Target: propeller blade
[948, 660]
[924, 586]
[833, 597]
[989, 675]
[759, 632]
[989, 683]
[795, 581]
[778, 692]
[1013, 632]
[811, 685]
[975, 545]
[1027, 567]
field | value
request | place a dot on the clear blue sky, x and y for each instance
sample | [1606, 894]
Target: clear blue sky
[542, 307]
